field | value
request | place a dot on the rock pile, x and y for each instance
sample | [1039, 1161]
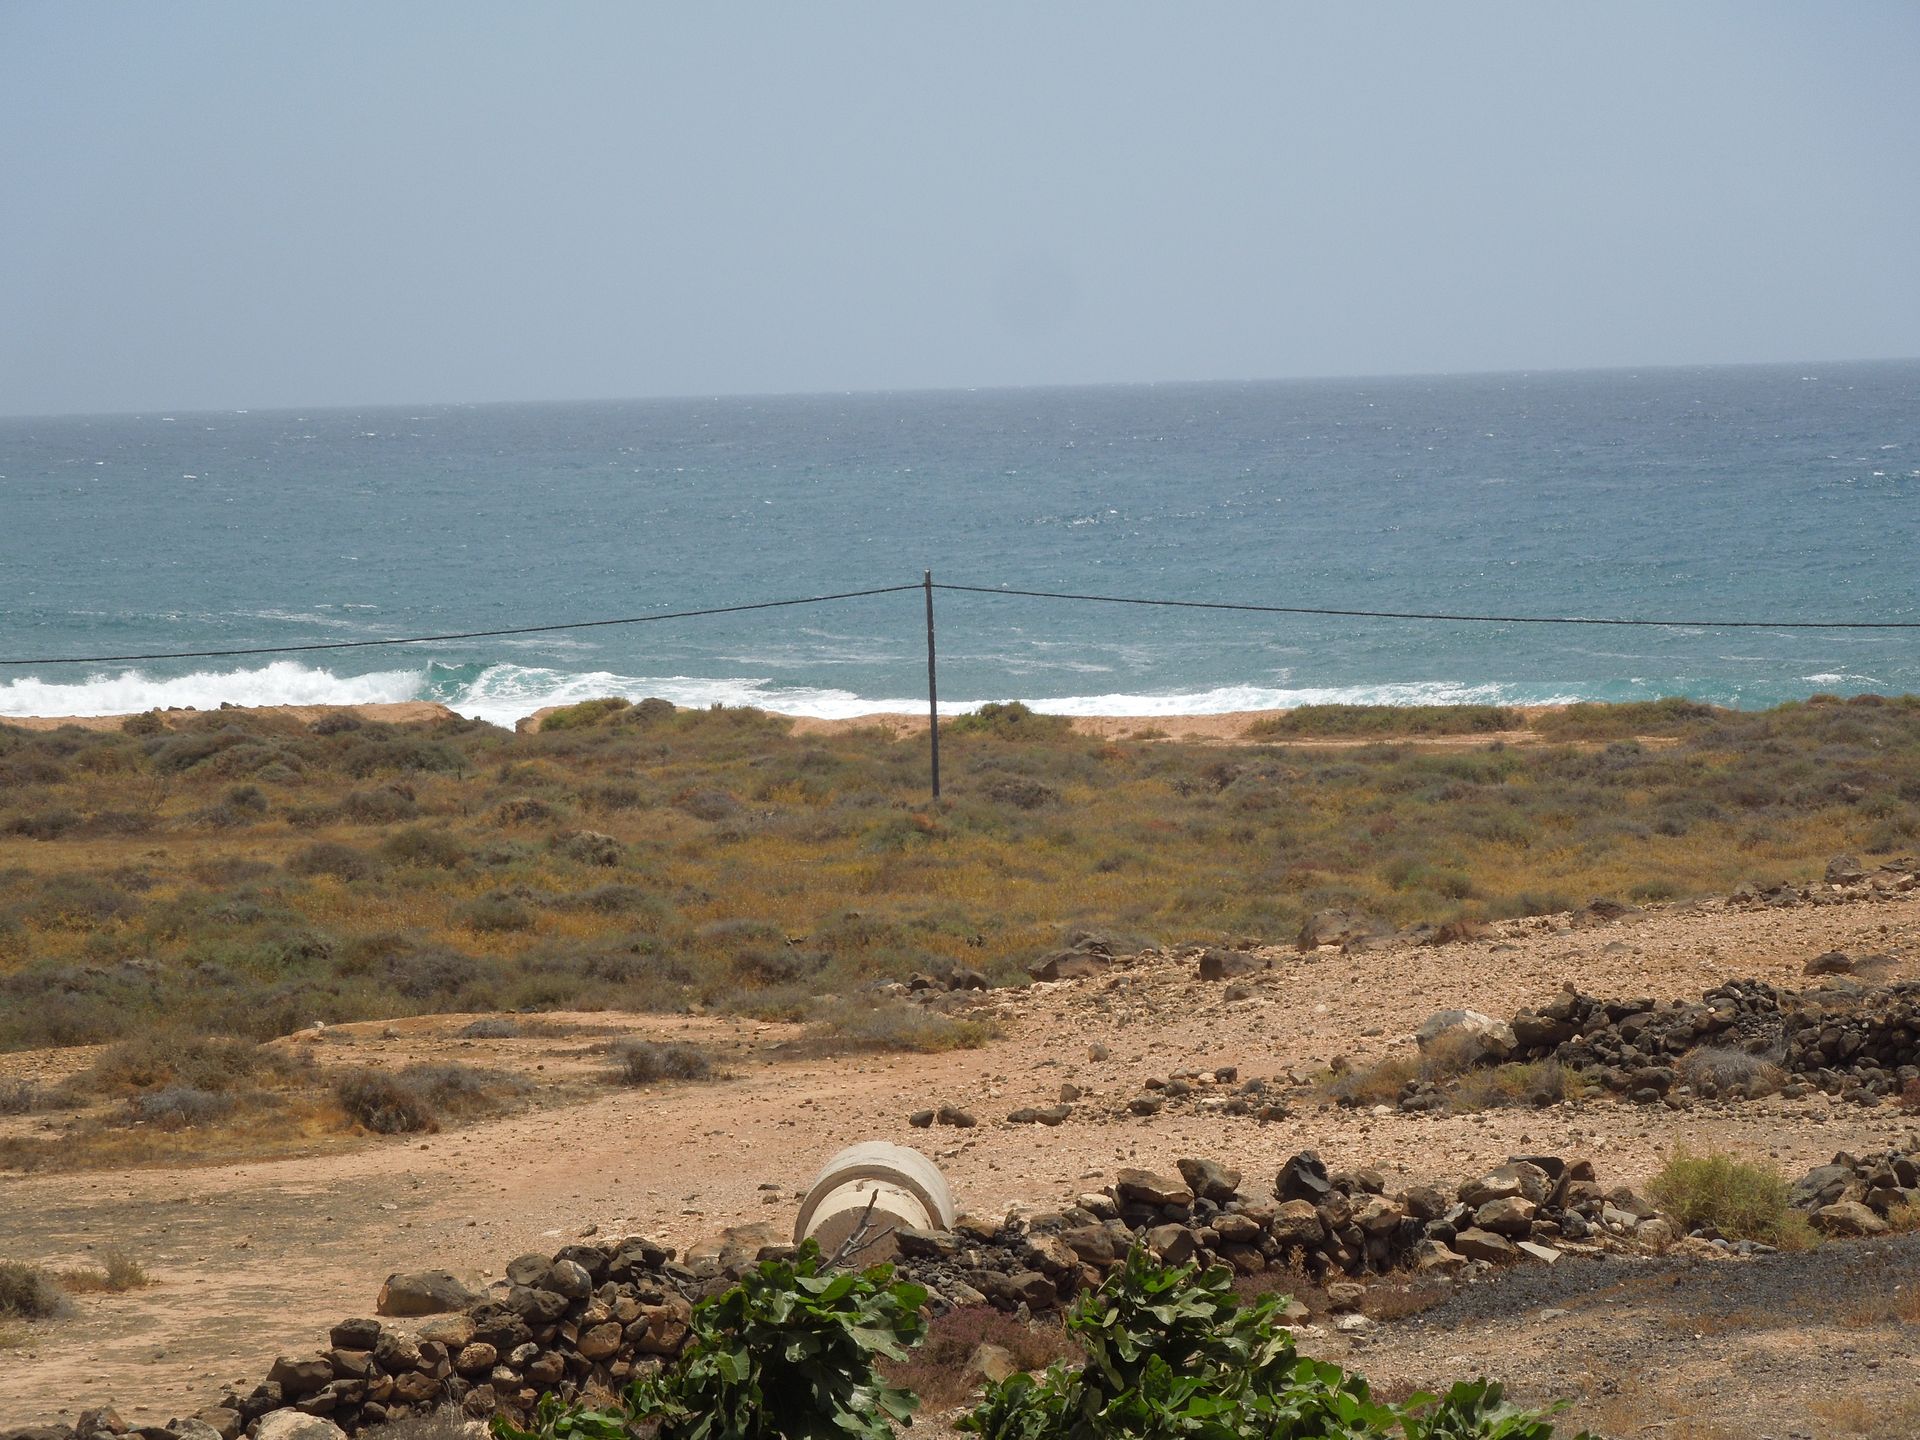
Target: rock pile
[1327, 1225]
[1860, 1043]
[1855, 1195]
[590, 1314]
[1845, 880]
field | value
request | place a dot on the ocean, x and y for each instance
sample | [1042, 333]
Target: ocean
[1727, 493]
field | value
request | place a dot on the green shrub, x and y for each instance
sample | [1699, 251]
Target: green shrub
[424, 846]
[583, 715]
[1740, 1199]
[787, 1354]
[1388, 720]
[495, 914]
[1173, 1352]
[1011, 720]
[330, 857]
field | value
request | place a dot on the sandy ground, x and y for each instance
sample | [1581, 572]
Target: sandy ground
[254, 1260]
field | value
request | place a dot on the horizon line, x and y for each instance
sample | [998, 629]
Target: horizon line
[913, 390]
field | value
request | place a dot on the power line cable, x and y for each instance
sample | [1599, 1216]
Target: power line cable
[463, 635]
[1426, 615]
[1227, 605]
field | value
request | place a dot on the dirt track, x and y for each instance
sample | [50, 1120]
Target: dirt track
[256, 1260]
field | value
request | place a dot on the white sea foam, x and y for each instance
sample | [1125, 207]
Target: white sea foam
[127, 692]
[504, 693]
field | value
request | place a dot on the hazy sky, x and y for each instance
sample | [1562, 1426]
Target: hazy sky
[213, 205]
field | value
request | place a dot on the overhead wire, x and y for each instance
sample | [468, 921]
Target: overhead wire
[1436, 615]
[1001, 590]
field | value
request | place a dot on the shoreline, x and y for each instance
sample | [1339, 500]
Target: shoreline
[1225, 727]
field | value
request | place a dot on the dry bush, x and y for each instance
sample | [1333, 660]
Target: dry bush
[856, 1024]
[117, 1273]
[19, 1097]
[939, 1371]
[215, 1064]
[1722, 1070]
[492, 1028]
[28, 1293]
[383, 1105]
[179, 1107]
[641, 1062]
[449, 1422]
[330, 857]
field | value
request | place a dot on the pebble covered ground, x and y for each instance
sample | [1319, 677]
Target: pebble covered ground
[253, 1260]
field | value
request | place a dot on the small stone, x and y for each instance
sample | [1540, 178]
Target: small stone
[954, 1115]
[920, 1119]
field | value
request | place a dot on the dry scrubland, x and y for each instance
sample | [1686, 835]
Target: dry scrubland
[191, 882]
[247, 874]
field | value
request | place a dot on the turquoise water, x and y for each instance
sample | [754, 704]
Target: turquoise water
[1752, 492]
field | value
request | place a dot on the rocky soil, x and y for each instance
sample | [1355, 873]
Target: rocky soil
[256, 1261]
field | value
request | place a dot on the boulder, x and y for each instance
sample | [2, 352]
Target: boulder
[1340, 927]
[1432, 1255]
[299, 1378]
[1093, 1244]
[1298, 1224]
[476, 1359]
[1486, 1037]
[1216, 965]
[1069, 965]
[1845, 870]
[1848, 1218]
[452, 1331]
[601, 1341]
[1144, 1187]
[421, 1292]
[1210, 1181]
[292, 1425]
[1302, 1178]
[1511, 1216]
[992, 1362]
[569, 1279]
[1171, 1244]
[354, 1335]
[1477, 1244]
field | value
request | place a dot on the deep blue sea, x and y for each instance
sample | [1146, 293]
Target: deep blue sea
[1774, 493]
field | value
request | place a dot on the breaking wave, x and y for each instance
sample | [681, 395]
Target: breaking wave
[503, 693]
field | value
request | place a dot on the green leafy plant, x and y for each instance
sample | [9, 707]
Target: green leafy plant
[1173, 1355]
[787, 1354]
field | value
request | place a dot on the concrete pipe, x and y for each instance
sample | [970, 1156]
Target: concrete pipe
[880, 1184]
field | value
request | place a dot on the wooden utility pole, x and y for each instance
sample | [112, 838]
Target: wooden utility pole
[933, 693]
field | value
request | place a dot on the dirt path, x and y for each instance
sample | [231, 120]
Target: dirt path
[256, 1260]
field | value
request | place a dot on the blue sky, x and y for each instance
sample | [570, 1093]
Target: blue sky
[246, 205]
